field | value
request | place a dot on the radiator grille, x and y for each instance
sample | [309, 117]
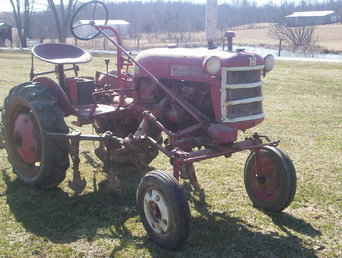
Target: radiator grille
[235, 77]
[247, 109]
[241, 94]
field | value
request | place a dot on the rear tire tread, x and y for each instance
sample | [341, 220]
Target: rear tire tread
[43, 106]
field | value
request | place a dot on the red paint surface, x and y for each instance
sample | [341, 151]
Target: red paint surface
[72, 90]
[222, 134]
[23, 132]
[267, 169]
[160, 61]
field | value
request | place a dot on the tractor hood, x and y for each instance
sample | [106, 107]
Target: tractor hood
[187, 63]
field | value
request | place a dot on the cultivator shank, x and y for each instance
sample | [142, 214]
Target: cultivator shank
[135, 149]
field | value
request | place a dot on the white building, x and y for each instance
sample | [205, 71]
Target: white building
[121, 26]
[311, 18]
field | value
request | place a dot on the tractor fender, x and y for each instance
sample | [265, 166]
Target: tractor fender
[62, 99]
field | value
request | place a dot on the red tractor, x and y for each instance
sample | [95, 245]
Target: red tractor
[189, 104]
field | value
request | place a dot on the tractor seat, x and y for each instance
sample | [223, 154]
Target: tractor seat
[61, 54]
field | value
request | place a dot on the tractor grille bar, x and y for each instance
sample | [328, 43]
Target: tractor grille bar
[241, 94]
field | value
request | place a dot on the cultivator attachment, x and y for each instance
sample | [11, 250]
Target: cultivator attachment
[135, 150]
[77, 184]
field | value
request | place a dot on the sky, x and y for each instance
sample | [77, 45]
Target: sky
[41, 4]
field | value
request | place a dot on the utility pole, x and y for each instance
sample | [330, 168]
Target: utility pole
[211, 23]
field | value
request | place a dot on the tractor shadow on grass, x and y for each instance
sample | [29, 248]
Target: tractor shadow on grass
[61, 218]
[220, 234]
[286, 221]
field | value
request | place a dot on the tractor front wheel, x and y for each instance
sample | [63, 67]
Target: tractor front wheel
[163, 209]
[31, 110]
[270, 179]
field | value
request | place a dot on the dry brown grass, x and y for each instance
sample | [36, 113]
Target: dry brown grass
[328, 36]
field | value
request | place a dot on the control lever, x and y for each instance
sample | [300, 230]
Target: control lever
[107, 60]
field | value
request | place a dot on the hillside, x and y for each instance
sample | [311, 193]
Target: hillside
[328, 36]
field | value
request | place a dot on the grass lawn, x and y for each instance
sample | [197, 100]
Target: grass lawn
[303, 104]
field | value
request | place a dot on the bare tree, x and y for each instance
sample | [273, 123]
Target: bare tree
[176, 18]
[22, 18]
[301, 37]
[62, 13]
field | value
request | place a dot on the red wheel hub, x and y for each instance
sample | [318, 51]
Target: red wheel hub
[265, 181]
[24, 139]
[155, 211]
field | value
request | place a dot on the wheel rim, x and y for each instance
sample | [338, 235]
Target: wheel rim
[156, 211]
[25, 142]
[265, 182]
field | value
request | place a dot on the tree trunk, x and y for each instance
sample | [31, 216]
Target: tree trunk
[58, 24]
[62, 18]
[23, 31]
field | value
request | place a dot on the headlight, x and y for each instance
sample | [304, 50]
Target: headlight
[269, 63]
[212, 64]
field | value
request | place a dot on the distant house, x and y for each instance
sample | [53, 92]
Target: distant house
[121, 26]
[311, 18]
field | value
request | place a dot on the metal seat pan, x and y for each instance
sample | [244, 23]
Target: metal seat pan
[61, 54]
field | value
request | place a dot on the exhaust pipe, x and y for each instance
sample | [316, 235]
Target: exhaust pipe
[229, 35]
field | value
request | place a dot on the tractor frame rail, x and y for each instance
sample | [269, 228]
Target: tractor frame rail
[179, 158]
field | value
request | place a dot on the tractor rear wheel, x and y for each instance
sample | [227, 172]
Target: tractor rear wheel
[30, 111]
[163, 209]
[271, 180]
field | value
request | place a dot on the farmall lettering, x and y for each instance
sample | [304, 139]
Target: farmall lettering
[252, 60]
[189, 104]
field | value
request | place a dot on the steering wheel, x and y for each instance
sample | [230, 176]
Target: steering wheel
[86, 18]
